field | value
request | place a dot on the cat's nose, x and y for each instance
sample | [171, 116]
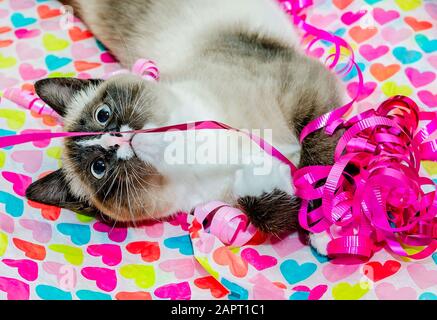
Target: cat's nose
[119, 140]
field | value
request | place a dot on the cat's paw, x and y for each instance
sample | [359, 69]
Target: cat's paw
[254, 183]
[319, 241]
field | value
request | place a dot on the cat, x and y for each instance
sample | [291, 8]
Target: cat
[234, 61]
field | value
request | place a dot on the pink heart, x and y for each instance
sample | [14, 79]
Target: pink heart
[370, 53]
[431, 8]
[28, 72]
[421, 276]
[61, 271]
[264, 289]
[41, 231]
[31, 160]
[258, 261]
[50, 25]
[180, 219]
[27, 269]
[394, 36]
[84, 75]
[26, 52]
[428, 98]
[205, 243]
[286, 246]
[337, 272]
[154, 230]
[110, 253]
[21, 4]
[182, 268]
[419, 79]
[106, 57]
[433, 61]
[38, 144]
[369, 88]
[106, 279]
[6, 223]
[322, 21]
[3, 13]
[26, 33]
[80, 51]
[383, 17]
[6, 82]
[114, 234]
[387, 291]
[351, 17]
[315, 294]
[317, 53]
[174, 291]
[15, 289]
[19, 182]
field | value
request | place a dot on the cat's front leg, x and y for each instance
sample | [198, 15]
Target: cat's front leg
[268, 197]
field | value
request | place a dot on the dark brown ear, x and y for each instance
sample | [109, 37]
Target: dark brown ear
[53, 190]
[58, 92]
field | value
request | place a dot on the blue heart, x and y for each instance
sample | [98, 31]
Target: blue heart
[101, 45]
[52, 293]
[13, 205]
[92, 295]
[78, 233]
[434, 257]
[236, 292]
[406, 56]
[319, 257]
[300, 295]
[353, 73]
[18, 20]
[428, 296]
[340, 32]
[54, 62]
[4, 133]
[429, 46]
[294, 273]
[183, 243]
[372, 1]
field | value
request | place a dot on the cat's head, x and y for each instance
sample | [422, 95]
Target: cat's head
[103, 173]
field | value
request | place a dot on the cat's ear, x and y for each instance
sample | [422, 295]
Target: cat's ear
[53, 190]
[58, 92]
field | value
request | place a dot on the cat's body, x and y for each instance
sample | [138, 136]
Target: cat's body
[233, 61]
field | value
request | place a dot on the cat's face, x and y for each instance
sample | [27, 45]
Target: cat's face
[102, 173]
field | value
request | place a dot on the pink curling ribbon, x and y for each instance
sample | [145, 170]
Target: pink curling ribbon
[230, 225]
[144, 68]
[28, 100]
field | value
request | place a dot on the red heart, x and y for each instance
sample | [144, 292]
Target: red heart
[77, 34]
[194, 229]
[362, 34]
[342, 4]
[216, 288]
[84, 66]
[31, 250]
[48, 212]
[418, 25]
[382, 73]
[375, 271]
[5, 43]
[5, 29]
[258, 239]
[149, 251]
[46, 12]
[140, 295]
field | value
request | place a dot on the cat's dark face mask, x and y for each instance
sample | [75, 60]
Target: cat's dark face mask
[100, 173]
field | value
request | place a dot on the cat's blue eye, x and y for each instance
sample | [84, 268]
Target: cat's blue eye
[103, 114]
[98, 169]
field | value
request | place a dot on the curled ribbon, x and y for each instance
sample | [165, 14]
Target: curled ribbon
[144, 68]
